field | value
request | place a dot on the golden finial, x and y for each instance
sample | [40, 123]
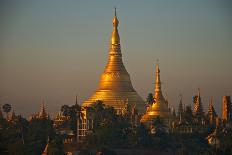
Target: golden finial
[181, 97]
[157, 65]
[76, 99]
[115, 39]
[157, 61]
[198, 93]
[158, 92]
[115, 11]
[115, 20]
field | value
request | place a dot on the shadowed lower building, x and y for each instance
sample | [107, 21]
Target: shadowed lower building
[115, 87]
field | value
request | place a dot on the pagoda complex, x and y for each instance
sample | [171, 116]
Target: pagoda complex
[115, 88]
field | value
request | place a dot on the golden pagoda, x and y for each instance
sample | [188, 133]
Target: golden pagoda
[212, 113]
[198, 108]
[115, 88]
[159, 107]
[226, 109]
[42, 114]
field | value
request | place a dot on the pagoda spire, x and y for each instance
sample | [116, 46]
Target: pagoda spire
[115, 11]
[158, 92]
[76, 100]
[198, 109]
[115, 39]
[226, 109]
[180, 108]
[42, 113]
[115, 64]
[211, 112]
[210, 105]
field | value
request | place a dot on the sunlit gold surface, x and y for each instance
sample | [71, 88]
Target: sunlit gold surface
[115, 88]
[159, 106]
[226, 108]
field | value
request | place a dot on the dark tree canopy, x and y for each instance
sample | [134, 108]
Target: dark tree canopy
[72, 112]
[6, 108]
[150, 98]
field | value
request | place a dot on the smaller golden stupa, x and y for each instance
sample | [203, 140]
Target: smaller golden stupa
[159, 107]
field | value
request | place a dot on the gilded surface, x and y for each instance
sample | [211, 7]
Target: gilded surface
[115, 87]
[159, 106]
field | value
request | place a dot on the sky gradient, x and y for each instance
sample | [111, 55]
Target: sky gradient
[58, 49]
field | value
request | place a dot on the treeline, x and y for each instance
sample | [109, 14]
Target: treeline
[21, 137]
[110, 131]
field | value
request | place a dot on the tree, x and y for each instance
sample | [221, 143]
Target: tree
[106, 151]
[98, 106]
[143, 137]
[6, 108]
[72, 112]
[159, 126]
[55, 147]
[150, 98]
[65, 110]
[84, 152]
[38, 132]
[109, 128]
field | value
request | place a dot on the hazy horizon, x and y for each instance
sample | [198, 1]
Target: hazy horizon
[54, 50]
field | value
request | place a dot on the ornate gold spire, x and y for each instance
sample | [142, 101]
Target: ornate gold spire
[211, 112]
[42, 113]
[158, 93]
[180, 107]
[115, 85]
[76, 100]
[226, 109]
[198, 109]
[115, 39]
[159, 107]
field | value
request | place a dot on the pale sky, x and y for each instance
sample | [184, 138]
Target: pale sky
[55, 49]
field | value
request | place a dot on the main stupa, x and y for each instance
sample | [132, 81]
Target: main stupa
[115, 88]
